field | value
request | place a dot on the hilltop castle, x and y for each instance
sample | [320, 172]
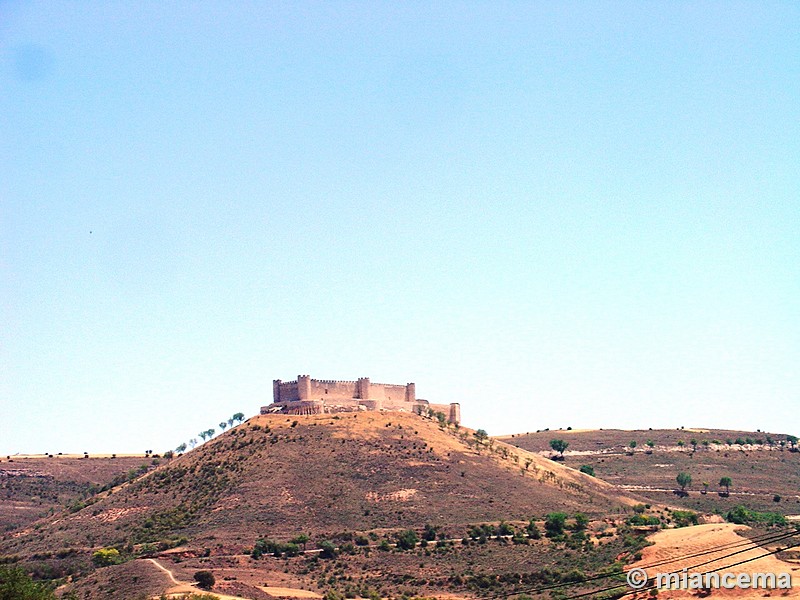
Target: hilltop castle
[306, 396]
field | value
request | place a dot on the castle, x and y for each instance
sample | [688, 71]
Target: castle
[306, 396]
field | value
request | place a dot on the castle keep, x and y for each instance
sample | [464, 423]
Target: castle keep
[306, 396]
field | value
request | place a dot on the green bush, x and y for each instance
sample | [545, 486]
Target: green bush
[684, 518]
[328, 549]
[743, 516]
[16, 584]
[106, 557]
[407, 540]
[554, 524]
[205, 579]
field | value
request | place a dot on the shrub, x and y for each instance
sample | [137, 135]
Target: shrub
[588, 469]
[505, 529]
[684, 518]
[328, 549]
[743, 516]
[407, 540]
[581, 522]
[106, 557]
[205, 579]
[533, 530]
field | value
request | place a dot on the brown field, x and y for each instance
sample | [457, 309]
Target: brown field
[34, 486]
[676, 544]
[759, 471]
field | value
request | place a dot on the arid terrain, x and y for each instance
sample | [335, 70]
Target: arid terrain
[385, 505]
[764, 471]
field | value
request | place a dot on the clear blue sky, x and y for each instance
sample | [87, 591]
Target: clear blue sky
[559, 214]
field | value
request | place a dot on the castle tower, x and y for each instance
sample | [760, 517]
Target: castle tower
[411, 393]
[455, 413]
[303, 387]
[362, 388]
[276, 390]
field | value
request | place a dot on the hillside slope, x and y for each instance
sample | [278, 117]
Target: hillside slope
[764, 469]
[276, 476]
[34, 486]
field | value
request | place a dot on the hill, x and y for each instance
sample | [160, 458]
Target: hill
[355, 479]
[32, 487]
[322, 474]
[764, 467]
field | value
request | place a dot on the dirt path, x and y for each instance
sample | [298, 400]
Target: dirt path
[184, 587]
[282, 592]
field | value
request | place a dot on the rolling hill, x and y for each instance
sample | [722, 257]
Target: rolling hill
[764, 467]
[358, 476]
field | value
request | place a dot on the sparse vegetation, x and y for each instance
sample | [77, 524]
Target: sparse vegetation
[352, 501]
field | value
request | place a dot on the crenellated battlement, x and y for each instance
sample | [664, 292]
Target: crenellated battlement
[305, 395]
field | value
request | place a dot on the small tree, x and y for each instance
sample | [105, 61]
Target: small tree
[193, 442]
[559, 446]
[588, 469]
[792, 439]
[554, 524]
[223, 425]
[238, 417]
[301, 539]
[726, 482]
[203, 435]
[481, 435]
[181, 448]
[205, 579]
[210, 432]
[106, 557]
[650, 445]
[683, 480]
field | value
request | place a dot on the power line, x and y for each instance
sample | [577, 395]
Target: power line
[765, 538]
[650, 587]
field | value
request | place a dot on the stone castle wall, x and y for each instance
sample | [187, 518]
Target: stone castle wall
[312, 396]
[305, 388]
